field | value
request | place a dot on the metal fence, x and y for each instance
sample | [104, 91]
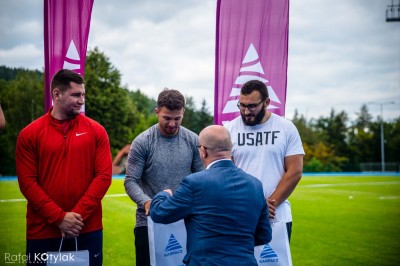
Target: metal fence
[377, 167]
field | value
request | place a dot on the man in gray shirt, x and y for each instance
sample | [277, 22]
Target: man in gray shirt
[159, 158]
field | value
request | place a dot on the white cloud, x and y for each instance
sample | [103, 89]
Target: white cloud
[342, 54]
[25, 56]
[176, 51]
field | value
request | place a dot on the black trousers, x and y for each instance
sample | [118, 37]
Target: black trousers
[289, 229]
[142, 246]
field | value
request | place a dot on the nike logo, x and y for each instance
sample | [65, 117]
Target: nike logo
[96, 255]
[80, 134]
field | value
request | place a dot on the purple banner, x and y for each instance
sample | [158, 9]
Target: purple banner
[251, 43]
[66, 32]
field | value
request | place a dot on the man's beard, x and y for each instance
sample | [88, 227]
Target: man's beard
[72, 113]
[257, 118]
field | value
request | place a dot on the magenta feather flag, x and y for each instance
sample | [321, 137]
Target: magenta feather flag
[66, 32]
[251, 43]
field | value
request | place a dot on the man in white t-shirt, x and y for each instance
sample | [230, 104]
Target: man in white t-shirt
[268, 147]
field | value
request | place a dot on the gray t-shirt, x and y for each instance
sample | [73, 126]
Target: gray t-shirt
[156, 162]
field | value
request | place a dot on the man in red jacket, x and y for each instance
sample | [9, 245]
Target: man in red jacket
[64, 170]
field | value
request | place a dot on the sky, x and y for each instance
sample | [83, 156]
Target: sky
[342, 54]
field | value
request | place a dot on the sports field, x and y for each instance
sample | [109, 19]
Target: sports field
[338, 220]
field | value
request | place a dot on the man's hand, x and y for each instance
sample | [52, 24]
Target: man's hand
[168, 191]
[147, 207]
[271, 207]
[71, 225]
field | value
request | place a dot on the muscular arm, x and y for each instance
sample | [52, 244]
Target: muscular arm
[134, 170]
[289, 181]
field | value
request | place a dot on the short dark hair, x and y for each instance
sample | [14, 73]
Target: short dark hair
[171, 99]
[255, 85]
[62, 79]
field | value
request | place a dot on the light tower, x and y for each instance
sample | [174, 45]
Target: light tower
[393, 12]
[382, 132]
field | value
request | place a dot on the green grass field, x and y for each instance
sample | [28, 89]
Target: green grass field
[338, 220]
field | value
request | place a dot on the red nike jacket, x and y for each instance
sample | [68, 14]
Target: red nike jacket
[60, 172]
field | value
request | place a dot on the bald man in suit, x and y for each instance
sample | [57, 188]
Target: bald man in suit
[224, 208]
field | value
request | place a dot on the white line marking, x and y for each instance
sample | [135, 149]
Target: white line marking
[12, 200]
[115, 195]
[352, 184]
[22, 200]
[389, 197]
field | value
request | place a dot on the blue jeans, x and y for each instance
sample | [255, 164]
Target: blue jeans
[92, 241]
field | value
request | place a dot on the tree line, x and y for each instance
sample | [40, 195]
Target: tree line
[123, 113]
[335, 144]
[331, 143]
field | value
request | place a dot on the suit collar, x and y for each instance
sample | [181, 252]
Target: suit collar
[220, 163]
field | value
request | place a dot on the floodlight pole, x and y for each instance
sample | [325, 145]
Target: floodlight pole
[382, 133]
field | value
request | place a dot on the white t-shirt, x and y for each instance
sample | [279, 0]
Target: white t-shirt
[260, 150]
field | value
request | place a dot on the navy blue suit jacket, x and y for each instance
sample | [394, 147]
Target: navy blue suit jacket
[225, 214]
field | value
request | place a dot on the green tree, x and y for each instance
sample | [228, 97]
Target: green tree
[332, 131]
[392, 143]
[306, 131]
[309, 139]
[204, 117]
[364, 118]
[107, 102]
[360, 138]
[22, 101]
[322, 158]
[144, 104]
[196, 120]
[189, 117]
